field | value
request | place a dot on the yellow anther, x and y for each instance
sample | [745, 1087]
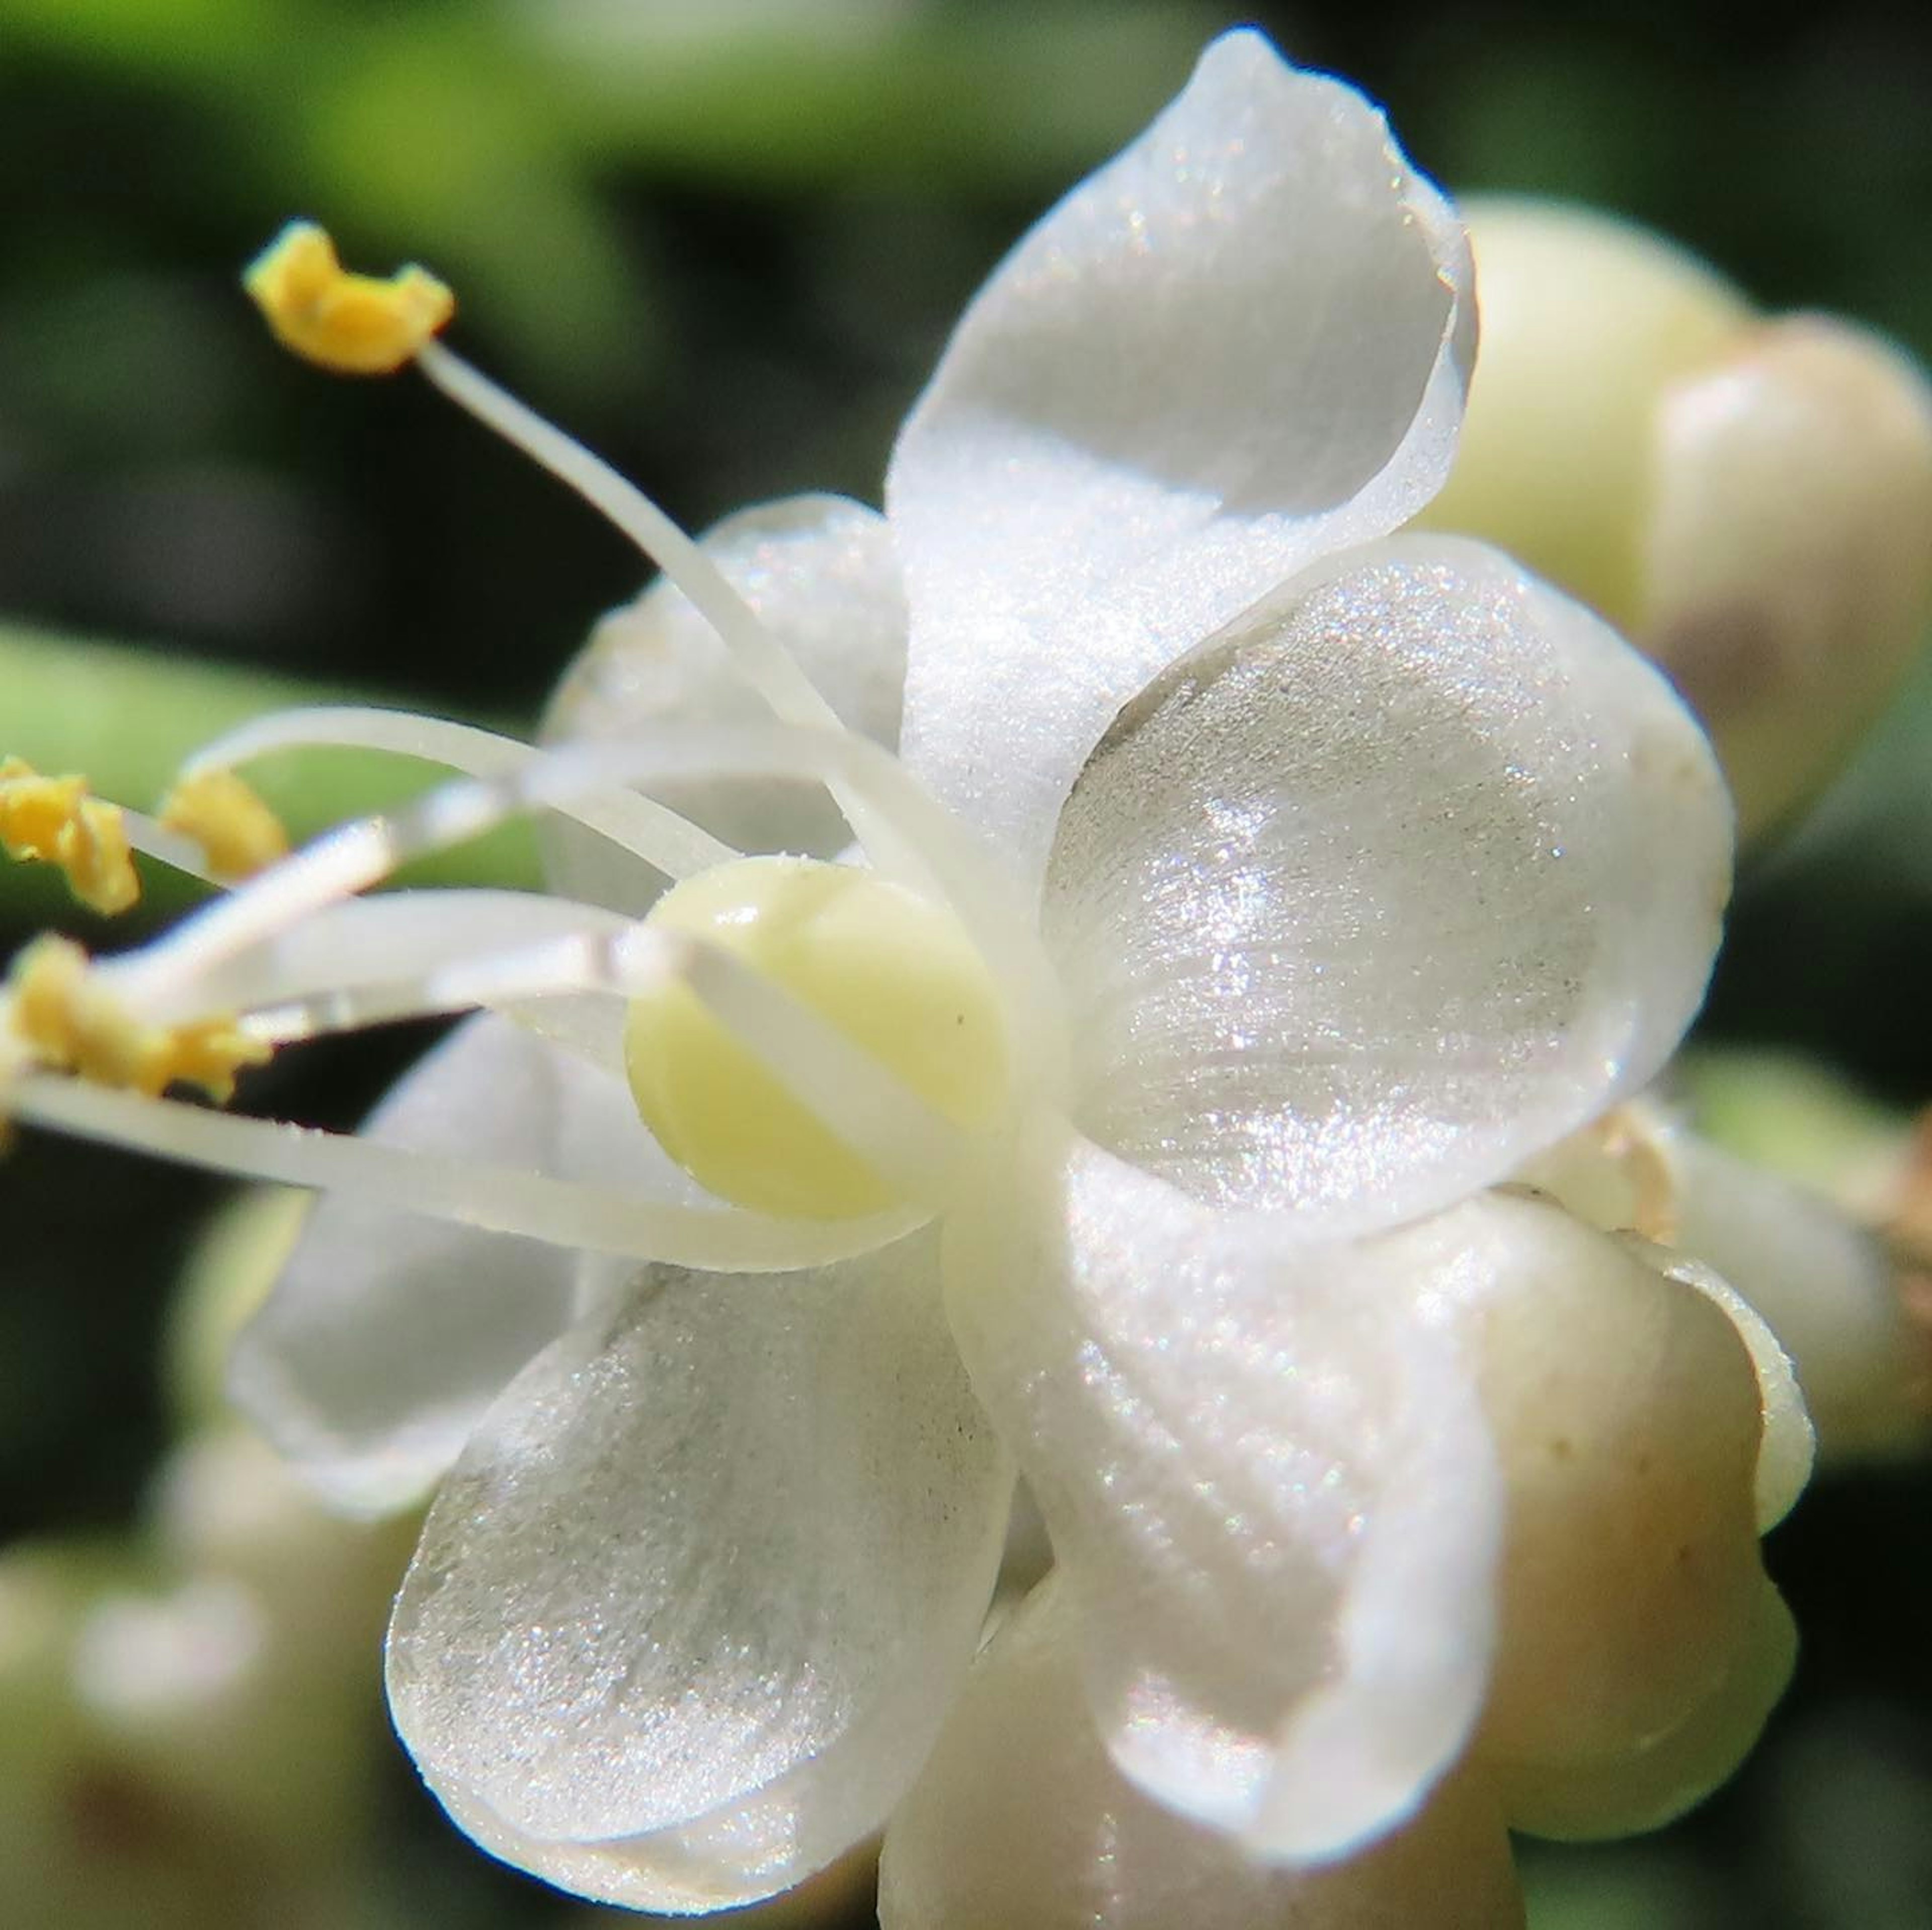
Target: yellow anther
[228, 820]
[55, 819]
[353, 324]
[67, 1020]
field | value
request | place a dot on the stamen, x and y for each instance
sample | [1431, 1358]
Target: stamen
[173, 975]
[56, 821]
[329, 316]
[495, 1199]
[614, 956]
[351, 324]
[68, 1021]
[153, 839]
[239, 833]
[400, 938]
[648, 830]
[764, 661]
[761, 658]
[859, 1100]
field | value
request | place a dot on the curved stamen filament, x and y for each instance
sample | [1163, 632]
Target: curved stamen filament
[791, 692]
[641, 825]
[174, 848]
[495, 1199]
[401, 937]
[949, 866]
[439, 953]
[858, 1099]
[761, 659]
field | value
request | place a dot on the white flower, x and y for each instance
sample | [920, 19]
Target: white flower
[1322, 877]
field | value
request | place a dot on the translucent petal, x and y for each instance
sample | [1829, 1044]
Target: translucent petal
[685, 1616]
[1019, 1819]
[1270, 1485]
[1238, 347]
[1412, 870]
[820, 572]
[388, 1335]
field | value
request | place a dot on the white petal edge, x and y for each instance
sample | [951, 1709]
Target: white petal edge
[1789, 1446]
[686, 1616]
[388, 1335]
[821, 574]
[1270, 1484]
[1822, 1283]
[1241, 345]
[1413, 870]
[1020, 1819]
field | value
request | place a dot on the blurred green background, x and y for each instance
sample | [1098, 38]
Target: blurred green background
[723, 242]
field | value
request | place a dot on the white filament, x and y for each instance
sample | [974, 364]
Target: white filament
[766, 664]
[648, 830]
[495, 1199]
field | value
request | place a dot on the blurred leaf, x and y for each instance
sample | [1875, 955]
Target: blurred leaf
[792, 96]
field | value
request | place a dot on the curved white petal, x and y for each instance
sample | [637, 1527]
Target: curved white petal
[1788, 1446]
[1240, 345]
[1020, 1819]
[1412, 870]
[686, 1615]
[1821, 1282]
[388, 1335]
[1269, 1483]
[821, 574]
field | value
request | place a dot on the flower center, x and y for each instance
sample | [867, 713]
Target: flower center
[891, 971]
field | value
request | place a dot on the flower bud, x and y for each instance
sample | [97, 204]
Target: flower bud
[1654, 1782]
[1627, 1417]
[1748, 499]
[1797, 1193]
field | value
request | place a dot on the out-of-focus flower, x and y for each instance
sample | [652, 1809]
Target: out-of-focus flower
[1251, 890]
[1747, 497]
[191, 1736]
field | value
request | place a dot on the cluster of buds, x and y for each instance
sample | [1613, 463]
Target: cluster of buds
[1747, 497]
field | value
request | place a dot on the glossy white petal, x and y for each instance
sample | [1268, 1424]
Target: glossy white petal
[1414, 869]
[388, 1335]
[820, 572]
[1270, 1485]
[1020, 1819]
[686, 1615]
[1238, 346]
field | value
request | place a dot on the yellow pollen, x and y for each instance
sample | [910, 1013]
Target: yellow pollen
[352, 324]
[67, 1020]
[55, 820]
[228, 820]
[896, 974]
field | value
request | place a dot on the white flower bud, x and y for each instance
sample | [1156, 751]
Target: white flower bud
[1749, 500]
[1627, 1418]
